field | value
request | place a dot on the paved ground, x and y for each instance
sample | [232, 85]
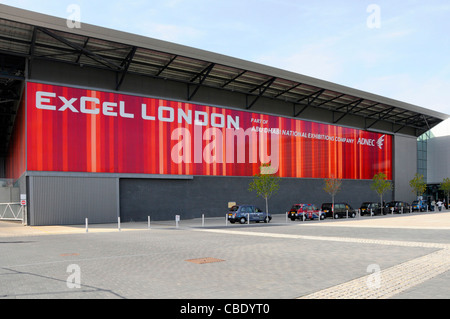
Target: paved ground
[400, 256]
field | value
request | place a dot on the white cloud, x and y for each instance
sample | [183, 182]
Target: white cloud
[314, 59]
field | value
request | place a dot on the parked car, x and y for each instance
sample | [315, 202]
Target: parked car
[419, 206]
[304, 212]
[315, 214]
[372, 208]
[242, 213]
[398, 207]
[340, 210]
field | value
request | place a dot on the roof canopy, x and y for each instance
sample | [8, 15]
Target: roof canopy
[26, 35]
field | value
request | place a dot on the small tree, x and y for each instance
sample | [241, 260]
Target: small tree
[332, 187]
[265, 184]
[418, 184]
[381, 185]
[445, 187]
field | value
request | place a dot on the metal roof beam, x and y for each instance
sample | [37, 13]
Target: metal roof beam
[125, 65]
[166, 65]
[330, 100]
[348, 110]
[311, 95]
[84, 47]
[266, 85]
[201, 74]
[301, 111]
[202, 77]
[315, 94]
[31, 51]
[426, 122]
[365, 108]
[287, 90]
[381, 117]
[358, 101]
[234, 78]
[80, 49]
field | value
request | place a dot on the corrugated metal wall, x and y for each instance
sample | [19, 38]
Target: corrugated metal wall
[69, 200]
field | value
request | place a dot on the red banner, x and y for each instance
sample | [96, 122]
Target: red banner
[80, 130]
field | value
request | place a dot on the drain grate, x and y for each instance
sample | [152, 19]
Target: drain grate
[206, 260]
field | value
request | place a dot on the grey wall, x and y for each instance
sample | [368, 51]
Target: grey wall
[9, 195]
[163, 199]
[69, 200]
[438, 159]
[405, 167]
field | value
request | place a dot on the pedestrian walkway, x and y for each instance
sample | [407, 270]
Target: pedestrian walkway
[435, 220]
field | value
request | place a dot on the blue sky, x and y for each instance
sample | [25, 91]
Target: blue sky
[407, 58]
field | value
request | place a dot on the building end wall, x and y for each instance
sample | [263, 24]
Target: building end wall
[405, 167]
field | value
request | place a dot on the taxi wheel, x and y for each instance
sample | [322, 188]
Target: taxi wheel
[242, 220]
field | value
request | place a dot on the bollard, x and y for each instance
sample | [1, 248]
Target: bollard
[118, 223]
[248, 219]
[347, 213]
[203, 220]
[87, 229]
[148, 222]
[226, 219]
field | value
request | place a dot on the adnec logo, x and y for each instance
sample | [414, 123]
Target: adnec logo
[371, 142]
[380, 142]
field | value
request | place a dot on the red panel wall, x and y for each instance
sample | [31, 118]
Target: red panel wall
[80, 130]
[15, 161]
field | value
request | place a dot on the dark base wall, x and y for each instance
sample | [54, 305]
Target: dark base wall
[163, 199]
[68, 200]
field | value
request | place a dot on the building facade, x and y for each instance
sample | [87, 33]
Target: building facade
[108, 124]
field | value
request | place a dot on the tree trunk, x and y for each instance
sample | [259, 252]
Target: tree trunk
[332, 206]
[381, 205]
[267, 205]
